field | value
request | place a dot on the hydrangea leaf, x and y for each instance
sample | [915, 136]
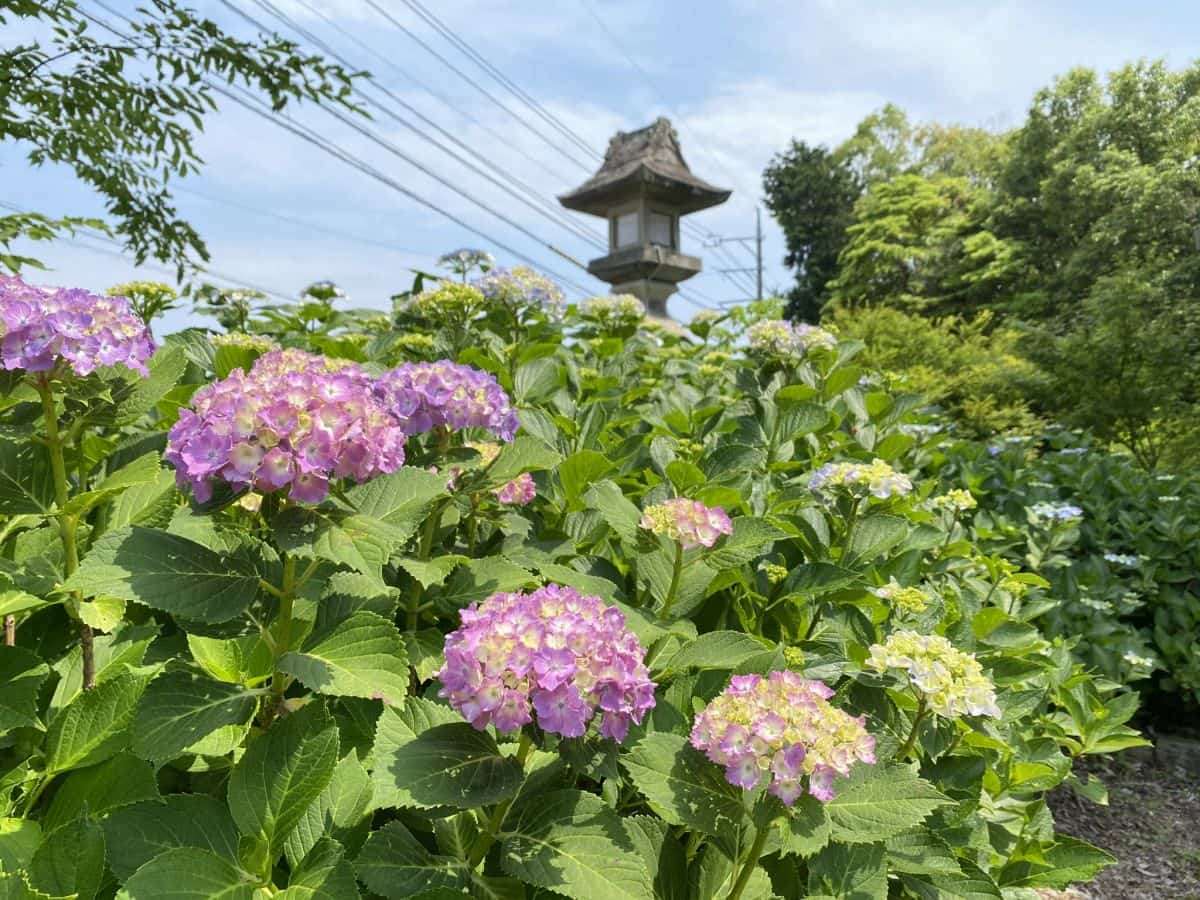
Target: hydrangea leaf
[70, 861]
[19, 839]
[180, 708]
[682, 786]
[324, 874]
[282, 771]
[525, 454]
[342, 804]
[394, 864]
[618, 513]
[572, 843]
[168, 572]
[715, 650]
[879, 802]
[806, 829]
[872, 537]
[971, 883]
[139, 832]
[144, 469]
[751, 538]
[363, 656]
[26, 485]
[117, 782]
[580, 470]
[1069, 860]
[94, 725]
[426, 756]
[189, 873]
[849, 872]
[21, 675]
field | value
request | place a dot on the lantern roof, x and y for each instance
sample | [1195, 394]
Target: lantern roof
[647, 161]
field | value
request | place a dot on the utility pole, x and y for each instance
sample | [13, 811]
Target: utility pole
[757, 240]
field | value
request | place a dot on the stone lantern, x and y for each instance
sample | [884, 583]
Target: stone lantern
[642, 189]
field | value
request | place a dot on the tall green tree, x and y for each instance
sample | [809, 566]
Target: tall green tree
[811, 194]
[120, 103]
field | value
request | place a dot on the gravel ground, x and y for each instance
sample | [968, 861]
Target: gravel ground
[1151, 824]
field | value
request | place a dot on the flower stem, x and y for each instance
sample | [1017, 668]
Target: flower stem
[912, 735]
[423, 551]
[751, 863]
[283, 635]
[66, 523]
[676, 571]
[483, 843]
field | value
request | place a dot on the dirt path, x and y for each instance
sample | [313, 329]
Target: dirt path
[1152, 824]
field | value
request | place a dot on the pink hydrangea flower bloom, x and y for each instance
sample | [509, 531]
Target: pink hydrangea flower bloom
[555, 652]
[427, 395]
[689, 522]
[518, 492]
[294, 423]
[781, 729]
[41, 326]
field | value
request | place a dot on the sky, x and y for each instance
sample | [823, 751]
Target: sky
[739, 79]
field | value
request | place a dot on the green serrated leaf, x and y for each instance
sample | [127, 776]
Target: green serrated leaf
[167, 572]
[715, 650]
[282, 771]
[426, 756]
[570, 842]
[363, 656]
[26, 485]
[849, 872]
[21, 675]
[682, 786]
[751, 538]
[618, 513]
[189, 873]
[138, 833]
[581, 470]
[94, 725]
[99, 789]
[180, 708]
[879, 802]
[70, 861]
[394, 864]
[525, 454]
[324, 874]
[19, 838]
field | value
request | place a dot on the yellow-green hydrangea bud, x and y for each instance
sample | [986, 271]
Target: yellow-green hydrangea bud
[909, 599]
[775, 573]
[956, 500]
[256, 342]
[449, 300]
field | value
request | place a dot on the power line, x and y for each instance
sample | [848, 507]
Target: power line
[287, 123]
[502, 140]
[471, 81]
[504, 80]
[554, 215]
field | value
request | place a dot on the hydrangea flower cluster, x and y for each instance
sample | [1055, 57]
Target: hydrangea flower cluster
[428, 395]
[448, 301]
[779, 337]
[877, 479]
[521, 286]
[909, 599]
[951, 681]
[255, 342]
[553, 652]
[1056, 512]
[784, 728]
[689, 522]
[40, 326]
[616, 309]
[293, 423]
[955, 500]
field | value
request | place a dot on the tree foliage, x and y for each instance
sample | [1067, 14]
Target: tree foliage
[120, 104]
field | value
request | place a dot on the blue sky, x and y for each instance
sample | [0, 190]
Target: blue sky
[739, 78]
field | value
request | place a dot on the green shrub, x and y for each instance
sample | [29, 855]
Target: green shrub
[252, 676]
[973, 368]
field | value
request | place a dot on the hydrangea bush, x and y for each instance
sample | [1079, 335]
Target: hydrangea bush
[526, 603]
